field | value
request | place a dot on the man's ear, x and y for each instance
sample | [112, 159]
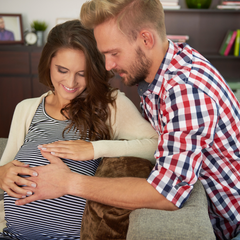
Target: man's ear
[147, 38]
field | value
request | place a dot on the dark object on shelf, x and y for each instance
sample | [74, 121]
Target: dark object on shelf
[198, 3]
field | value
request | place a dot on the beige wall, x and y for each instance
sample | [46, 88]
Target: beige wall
[42, 10]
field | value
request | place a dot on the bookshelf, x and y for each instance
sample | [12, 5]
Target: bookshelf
[206, 29]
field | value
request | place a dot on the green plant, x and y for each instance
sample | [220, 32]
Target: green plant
[39, 26]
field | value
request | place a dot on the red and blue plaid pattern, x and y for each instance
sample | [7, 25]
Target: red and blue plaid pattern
[197, 118]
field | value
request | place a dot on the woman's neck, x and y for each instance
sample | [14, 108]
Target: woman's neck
[53, 107]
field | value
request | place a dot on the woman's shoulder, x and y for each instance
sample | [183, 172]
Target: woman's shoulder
[121, 98]
[118, 95]
[30, 103]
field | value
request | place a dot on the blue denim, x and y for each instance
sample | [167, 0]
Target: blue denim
[237, 237]
[5, 236]
[2, 237]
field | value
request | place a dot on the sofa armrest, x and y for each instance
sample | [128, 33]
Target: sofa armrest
[3, 142]
[190, 222]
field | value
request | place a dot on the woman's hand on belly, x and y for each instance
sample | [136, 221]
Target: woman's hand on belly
[11, 182]
[78, 150]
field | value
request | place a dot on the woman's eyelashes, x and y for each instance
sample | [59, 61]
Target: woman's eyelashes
[64, 70]
[81, 74]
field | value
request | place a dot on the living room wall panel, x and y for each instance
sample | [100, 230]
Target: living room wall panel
[18, 79]
[14, 62]
[12, 91]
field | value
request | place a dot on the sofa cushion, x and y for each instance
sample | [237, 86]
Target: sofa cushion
[188, 223]
[3, 142]
[2, 215]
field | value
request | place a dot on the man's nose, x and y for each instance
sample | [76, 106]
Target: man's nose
[109, 63]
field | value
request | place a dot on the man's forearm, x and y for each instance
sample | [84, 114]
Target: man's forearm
[55, 180]
[128, 193]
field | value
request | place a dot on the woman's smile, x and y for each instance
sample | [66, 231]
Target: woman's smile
[71, 90]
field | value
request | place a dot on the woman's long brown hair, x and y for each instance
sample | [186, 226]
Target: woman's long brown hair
[90, 110]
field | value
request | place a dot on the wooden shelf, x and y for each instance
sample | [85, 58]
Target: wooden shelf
[218, 56]
[18, 79]
[191, 10]
[206, 29]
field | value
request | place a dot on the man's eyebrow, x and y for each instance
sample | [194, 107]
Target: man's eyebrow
[110, 51]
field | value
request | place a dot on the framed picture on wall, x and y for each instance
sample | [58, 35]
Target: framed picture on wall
[11, 29]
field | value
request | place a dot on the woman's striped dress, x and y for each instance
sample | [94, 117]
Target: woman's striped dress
[54, 218]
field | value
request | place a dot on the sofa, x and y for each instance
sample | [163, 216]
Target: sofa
[188, 223]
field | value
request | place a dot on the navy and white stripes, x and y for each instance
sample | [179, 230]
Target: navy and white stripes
[53, 218]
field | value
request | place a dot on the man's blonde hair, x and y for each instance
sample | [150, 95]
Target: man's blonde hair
[131, 15]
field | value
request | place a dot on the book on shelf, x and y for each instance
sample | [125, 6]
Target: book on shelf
[178, 38]
[230, 44]
[231, 2]
[171, 7]
[228, 7]
[237, 44]
[170, 4]
[225, 42]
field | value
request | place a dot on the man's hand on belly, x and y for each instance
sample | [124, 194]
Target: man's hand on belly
[50, 182]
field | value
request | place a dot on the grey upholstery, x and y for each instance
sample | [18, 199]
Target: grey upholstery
[188, 223]
[3, 142]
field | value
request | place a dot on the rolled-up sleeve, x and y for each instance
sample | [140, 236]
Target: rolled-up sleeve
[189, 118]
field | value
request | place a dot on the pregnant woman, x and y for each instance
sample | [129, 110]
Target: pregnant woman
[82, 110]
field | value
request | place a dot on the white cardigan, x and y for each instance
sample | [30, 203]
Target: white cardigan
[140, 139]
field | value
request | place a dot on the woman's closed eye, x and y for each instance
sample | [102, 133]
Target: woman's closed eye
[81, 74]
[62, 70]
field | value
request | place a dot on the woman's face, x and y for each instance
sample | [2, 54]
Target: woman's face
[67, 71]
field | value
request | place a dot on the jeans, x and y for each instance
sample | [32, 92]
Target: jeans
[237, 237]
[4, 236]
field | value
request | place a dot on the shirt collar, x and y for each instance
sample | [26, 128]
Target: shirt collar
[155, 85]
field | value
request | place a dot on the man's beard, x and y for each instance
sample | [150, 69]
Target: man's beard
[138, 71]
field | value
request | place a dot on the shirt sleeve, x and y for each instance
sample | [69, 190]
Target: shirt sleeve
[132, 134]
[189, 118]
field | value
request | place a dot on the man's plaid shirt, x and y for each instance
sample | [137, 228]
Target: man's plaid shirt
[197, 118]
